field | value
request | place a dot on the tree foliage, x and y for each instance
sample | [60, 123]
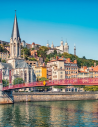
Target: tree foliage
[5, 82]
[18, 81]
[32, 59]
[42, 52]
[43, 79]
[26, 51]
[91, 88]
[4, 61]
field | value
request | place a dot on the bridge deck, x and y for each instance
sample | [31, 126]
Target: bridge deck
[65, 82]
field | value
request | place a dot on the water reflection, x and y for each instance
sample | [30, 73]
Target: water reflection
[50, 114]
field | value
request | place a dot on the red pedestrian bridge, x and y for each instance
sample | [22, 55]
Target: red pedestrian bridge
[65, 82]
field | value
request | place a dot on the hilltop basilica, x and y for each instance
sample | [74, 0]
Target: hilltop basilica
[17, 65]
[60, 49]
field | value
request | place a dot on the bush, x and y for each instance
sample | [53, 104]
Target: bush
[18, 81]
[5, 82]
[43, 79]
[4, 61]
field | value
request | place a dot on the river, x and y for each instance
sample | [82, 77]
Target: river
[50, 114]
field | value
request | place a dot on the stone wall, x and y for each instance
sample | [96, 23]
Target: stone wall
[5, 100]
[57, 96]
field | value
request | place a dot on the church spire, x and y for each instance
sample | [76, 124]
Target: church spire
[15, 31]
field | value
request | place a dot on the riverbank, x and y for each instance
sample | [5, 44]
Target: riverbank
[53, 96]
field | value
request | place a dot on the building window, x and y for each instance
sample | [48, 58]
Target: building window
[61, 76]
[61, 72]
[60, 67]
[25, 76]
[29, 76]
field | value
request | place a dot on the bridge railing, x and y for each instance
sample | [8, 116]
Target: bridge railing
[75, 81]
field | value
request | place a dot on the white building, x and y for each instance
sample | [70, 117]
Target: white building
[64, 48]
[60, 49]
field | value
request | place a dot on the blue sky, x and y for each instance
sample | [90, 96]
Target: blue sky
[42, 20]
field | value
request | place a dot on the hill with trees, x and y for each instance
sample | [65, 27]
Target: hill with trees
[42, 52]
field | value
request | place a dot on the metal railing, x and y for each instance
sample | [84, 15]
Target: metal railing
[74, 81]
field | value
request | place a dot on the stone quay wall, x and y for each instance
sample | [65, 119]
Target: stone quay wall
[56, 96]
[5, 100]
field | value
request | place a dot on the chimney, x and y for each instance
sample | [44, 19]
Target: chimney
[75, 61]
[68, 60]
[56, 57]
[94, 64]
[43, 64]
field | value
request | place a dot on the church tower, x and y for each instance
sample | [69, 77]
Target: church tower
[66, 47]
[61, 46]
[52, 46]
[15, 46]
[15, 41]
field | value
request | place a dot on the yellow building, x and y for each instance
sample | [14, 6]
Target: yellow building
[40, 71]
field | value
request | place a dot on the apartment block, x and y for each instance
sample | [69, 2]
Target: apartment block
[61, 68]
[4, 55]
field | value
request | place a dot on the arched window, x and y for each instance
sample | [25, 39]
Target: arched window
[25, 76]
[29, 76]
[21, 74]
[14, 49]
[18, 49]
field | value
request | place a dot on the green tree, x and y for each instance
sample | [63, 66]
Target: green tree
[5, 82]
[26, 51]
[42, 52]
[32, 59]
[55, 52]
[1, 49]
[84, 57]
[91, 88]
[46, 60]
[32, 48]
[43, 79]
[18, 81]
[4, 61]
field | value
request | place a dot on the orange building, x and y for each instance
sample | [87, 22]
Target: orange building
[93, 71]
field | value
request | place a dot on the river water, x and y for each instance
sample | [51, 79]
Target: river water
[50, 114]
